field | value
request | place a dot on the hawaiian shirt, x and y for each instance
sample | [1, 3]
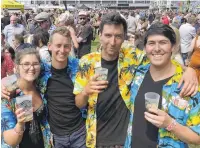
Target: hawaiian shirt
[128, 60]
[187, 115]
[9, 120]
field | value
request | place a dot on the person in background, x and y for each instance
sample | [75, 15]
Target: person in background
[15, 131]
[187, 33]
[5, 20]
[195, 55]
[7, 61]
[165, 19]
[12, 29]
[40, 40]
[18, 42]
[84, 35]
[175, 123]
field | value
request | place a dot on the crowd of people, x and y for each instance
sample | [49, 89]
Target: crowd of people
[143, 51]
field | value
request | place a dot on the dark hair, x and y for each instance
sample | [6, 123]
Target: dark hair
[161, 29]
[42, 35]
[19, 38]
[113, 18]
[10, 50]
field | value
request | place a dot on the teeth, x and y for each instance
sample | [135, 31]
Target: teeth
[157, 55]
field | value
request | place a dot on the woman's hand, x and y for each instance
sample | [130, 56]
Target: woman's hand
[20, 114]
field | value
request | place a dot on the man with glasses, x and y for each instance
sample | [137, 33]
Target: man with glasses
[84, 35]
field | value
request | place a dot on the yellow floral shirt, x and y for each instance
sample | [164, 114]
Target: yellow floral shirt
[128, 61]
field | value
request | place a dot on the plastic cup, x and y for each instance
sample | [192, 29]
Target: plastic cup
[10, 82]
[151, 100]
[102, 72]
[25, 102]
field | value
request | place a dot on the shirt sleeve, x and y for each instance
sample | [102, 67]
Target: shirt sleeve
[8, 118]
[193, 121]
[81, 76]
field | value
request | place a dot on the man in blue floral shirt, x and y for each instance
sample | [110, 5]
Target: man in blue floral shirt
[56, 83]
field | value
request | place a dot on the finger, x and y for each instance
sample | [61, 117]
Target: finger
[21, 115]
[192, 90]
[188, 89]
[180, 83]
[154, 122]
[185, 85]
[94, 78]
[196, 90]
[102, 82]
[99, 87]
[18, 111]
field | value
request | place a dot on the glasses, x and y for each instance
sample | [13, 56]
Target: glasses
[27, 66]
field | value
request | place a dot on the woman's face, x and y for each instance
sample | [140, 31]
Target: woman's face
[7, 53]
[15, 43]
[29, 67]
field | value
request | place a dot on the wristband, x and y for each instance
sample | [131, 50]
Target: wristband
[171, 125]
[19, 132]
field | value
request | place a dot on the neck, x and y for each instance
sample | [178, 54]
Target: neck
[24, 85]
[108, 57]
[163, 72]
[59, 65]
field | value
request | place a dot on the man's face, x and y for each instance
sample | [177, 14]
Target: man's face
[111, 39]
[60, 46]
[82, 19]
[46, 25]
[158, 50]
[13, 20]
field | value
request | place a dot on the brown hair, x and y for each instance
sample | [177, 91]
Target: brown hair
[62, 31]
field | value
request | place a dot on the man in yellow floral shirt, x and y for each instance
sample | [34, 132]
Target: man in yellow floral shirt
[108, 116]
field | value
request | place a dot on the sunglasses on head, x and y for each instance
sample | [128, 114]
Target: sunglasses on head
[82, 18]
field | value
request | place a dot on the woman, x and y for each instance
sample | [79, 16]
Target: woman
[40, 40]
[15, 131]
[7, 64]
[195, 58]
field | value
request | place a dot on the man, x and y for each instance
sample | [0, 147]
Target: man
[177, 121]
[12, 29]
[84, 35]
[132, 22]
[56, 83]
[6, 19]
[187, 33]
[109, 105]
[43, 20]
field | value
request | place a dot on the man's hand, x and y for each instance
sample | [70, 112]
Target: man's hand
[95, 86]
[190, 83]
[159, 118]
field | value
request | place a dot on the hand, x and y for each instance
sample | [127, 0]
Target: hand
[72, 31]
[190, 83]
[5, 93]
[160, 120]
[20, 114]
[95, 86]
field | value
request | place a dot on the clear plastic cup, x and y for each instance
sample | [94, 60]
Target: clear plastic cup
[151, 100]
[10, 82]
[102, 72]
[25, 102]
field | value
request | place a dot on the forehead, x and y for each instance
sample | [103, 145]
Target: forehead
[113, 28]
[157, 37]
[58, 38]
[29, 58]
[13, 18]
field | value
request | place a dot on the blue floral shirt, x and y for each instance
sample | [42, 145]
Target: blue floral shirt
[188, 115]
[9, 120]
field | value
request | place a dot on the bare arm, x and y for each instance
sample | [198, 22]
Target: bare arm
[17, 132]
[192, 47]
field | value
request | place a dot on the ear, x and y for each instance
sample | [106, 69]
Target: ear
[49, 46]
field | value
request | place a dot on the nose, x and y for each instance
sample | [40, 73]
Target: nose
[112, 41]
[157, 47]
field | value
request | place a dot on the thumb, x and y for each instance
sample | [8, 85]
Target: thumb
[94, 78]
